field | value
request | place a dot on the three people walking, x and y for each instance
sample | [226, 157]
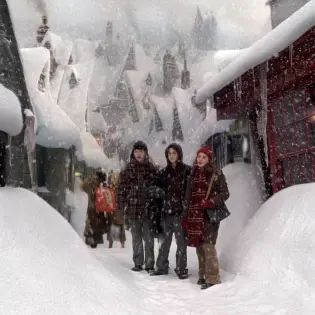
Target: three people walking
[189, 203]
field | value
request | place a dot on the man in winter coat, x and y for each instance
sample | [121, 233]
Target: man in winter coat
[173, 180]
[203, 233]
[139, 174]
[96, 224]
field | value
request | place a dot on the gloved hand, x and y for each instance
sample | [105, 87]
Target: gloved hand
[207, 204]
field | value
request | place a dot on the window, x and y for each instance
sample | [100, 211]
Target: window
[41, 82]
[73, 81]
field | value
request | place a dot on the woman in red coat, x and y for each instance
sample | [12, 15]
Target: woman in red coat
[202, 233]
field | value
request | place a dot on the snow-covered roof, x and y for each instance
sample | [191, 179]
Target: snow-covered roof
[61, 48]
[272, 43]
[136, 81]
[73, 100]
[11, 120]
[97, 122]
[54, 128]
[90, 152]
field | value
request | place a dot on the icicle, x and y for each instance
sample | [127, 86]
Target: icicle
[235, 90]
[239, 92]
[254, 81]
[291, 51]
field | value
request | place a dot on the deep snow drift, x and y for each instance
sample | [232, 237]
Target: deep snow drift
[46, 269]
[268, 261]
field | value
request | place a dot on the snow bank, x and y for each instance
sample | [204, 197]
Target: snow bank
[278, 243]
[90, 152]
[54, 128]
[274, 42]
[11, 120]
[245, 199]
[46, 269]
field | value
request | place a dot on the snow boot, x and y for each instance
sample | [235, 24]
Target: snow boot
[206, 286]
[158, 273]
[181, 274]
[201, 281]
[137, 268]
[149, 270]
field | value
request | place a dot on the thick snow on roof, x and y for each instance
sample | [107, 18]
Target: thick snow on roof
[45, 268]
[136, 81]
[54, 128]
[96, 121]
[90, 152]
[61, 48]
[74, 100]
[11, 120]
[272, 43]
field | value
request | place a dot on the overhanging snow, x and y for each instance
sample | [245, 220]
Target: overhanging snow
[11, 120]
[274, 42]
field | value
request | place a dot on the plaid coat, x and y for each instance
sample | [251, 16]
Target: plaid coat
[196, 221]
[133, 182]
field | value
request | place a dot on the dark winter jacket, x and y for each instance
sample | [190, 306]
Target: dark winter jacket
[196, 221]
[154, 199]
[133, 181]
[174, 182]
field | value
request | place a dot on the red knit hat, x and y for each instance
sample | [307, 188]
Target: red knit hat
[207, 151]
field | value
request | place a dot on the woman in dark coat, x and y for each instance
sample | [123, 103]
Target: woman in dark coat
[96, 224]
[202, 233]
[173, 180]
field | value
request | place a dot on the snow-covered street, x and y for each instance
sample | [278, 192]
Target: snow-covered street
[157, 157]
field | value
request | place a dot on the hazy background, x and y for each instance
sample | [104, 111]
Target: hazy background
[240, 22]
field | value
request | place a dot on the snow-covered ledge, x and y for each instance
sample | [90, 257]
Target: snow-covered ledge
[274, 42]
[90, 152]
[11, 121]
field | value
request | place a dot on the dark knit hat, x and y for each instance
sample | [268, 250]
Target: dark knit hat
[207, 151]
[140, 145]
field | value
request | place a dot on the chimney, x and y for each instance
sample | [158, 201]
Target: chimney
[42, 29]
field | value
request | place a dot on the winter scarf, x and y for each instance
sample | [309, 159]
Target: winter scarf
[194, 222]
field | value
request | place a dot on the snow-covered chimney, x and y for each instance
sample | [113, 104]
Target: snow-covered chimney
[42, 29]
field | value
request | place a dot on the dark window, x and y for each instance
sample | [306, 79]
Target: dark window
[41, 162]
[73, 82]
[41, 82]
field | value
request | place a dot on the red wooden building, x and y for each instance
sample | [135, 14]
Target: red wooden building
[277, 96]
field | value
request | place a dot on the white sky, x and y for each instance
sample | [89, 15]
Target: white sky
[87, 18]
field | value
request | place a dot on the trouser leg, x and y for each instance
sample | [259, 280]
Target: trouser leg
[162, 262]
[201, 261]
[137, 245]
[212, 271]
[148, 238]
[181, 252]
